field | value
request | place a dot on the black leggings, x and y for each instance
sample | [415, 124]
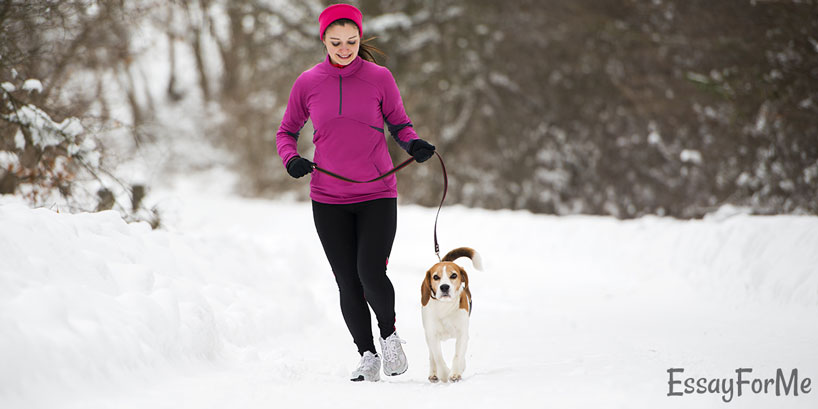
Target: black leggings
[357, 240]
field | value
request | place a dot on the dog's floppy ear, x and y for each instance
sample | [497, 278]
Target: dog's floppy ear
[465, 278]
[465, 296]
[426, 288]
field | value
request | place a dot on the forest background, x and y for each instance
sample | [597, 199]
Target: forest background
[605, 107]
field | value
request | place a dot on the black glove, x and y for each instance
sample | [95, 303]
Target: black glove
[421, 150]
[298, 167]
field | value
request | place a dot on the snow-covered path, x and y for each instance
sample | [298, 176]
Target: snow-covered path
[235, 306]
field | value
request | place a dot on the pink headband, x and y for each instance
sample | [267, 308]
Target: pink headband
[337, 12]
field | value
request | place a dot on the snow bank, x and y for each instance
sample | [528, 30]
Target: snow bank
[88, 296]
[584, 302]
[753, 258]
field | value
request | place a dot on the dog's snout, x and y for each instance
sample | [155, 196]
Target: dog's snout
[444, 288]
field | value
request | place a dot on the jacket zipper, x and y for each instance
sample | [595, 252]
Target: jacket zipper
[340, 93]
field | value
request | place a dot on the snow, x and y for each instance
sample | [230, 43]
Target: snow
[9, 161]
[71, 127]
[691, 155]
[811, 173]
[696, 77]
[503, 80]
[44, 131]
[33, 85]
[654, 138]
[233, 304]
[19, 140]
[28, 85]
[385, 22]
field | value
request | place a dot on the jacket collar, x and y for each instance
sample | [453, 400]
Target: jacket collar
[350, 69]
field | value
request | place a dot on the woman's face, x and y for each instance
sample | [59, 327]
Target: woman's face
[342, 43]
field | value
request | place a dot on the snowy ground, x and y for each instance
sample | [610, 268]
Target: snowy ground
[234, 305]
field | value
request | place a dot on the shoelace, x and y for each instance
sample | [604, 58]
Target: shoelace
[391, 345]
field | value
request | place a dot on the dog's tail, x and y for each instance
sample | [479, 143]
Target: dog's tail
[465, 252]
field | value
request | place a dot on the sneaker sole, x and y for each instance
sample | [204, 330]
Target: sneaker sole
[361, 378]
[397, 373]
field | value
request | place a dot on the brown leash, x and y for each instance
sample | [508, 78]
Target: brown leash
[394, 170]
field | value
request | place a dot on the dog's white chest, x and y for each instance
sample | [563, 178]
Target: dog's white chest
[444, 320]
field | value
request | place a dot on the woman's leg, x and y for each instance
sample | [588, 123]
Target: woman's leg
[336, 226]
[375, 225]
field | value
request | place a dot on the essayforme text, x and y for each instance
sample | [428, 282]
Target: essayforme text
[743, 382]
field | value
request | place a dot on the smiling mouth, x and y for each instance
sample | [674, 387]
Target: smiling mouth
[343, 57]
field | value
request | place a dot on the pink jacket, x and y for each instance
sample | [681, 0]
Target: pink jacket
[348, 107]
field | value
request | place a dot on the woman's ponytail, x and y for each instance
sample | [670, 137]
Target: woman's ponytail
[368, 51]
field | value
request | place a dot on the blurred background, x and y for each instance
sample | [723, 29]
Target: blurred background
[606, 107]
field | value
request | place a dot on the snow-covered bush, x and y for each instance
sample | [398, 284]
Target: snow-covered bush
[44, 156]
[56, 118]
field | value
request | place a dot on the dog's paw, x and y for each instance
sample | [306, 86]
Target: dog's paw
[455, 378]
[433, 379]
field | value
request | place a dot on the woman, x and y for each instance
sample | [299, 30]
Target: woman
[348, 99]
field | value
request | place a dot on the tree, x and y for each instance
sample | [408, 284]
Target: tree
[47, 143]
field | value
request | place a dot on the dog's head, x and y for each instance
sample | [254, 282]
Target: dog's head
[446, 282]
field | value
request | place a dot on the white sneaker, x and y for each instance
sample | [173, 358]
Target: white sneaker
[368, 369]
[394, 360]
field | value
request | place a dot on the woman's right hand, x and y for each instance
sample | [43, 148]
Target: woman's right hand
[298, 167]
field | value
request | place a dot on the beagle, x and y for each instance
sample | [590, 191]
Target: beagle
[446, 300]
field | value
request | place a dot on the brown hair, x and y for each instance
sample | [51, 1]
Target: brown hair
[367, 51]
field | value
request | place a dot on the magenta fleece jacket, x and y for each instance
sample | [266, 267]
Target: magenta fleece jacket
[348, 107]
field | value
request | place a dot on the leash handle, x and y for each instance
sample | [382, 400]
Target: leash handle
[394, 170]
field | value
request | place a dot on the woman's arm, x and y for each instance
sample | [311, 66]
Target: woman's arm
[295, 116]
[399, 124]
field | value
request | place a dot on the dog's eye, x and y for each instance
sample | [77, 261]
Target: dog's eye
[453, 276]
[436, 277]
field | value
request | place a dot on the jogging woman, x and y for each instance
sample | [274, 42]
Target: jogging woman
[348, 97]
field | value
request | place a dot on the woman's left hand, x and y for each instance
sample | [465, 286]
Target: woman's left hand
[421, 150]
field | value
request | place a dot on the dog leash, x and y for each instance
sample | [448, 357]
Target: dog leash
[395, 170]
